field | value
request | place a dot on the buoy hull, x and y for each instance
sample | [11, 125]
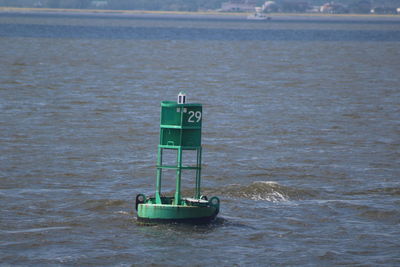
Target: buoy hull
[175, 213]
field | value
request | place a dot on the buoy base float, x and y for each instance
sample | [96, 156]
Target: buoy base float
[180, 130]
[190, 210]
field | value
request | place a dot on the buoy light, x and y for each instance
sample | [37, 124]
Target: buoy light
[181, 98]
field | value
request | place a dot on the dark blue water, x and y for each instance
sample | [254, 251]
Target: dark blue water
[199, 34]
[301, 142]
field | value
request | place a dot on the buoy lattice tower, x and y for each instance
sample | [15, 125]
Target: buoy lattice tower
[180, 130]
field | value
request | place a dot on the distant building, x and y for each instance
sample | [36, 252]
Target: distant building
[239, 6]
[361, 7]
[294, 7]
[333, 8]
[270, 6]
[314, 9]
[99, 4]
[38, 4]
[384, 10]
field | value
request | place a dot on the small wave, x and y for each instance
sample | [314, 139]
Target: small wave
[393, 191]
[103, 204]
[381, 215]
[123, 212]
[364, 209]
[260, 190]
[34, 230]
[264, 191]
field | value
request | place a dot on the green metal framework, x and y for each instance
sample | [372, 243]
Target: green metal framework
[180, 130]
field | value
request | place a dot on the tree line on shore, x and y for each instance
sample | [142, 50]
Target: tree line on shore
[358, 6]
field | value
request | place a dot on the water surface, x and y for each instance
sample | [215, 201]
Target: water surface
[300, 139]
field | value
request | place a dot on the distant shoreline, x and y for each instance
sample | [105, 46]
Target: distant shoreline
[184, 13]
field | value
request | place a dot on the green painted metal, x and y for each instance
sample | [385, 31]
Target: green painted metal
[175, 212]
[190, 209]
[180, 130]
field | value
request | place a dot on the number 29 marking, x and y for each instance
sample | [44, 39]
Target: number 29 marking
[194, 116]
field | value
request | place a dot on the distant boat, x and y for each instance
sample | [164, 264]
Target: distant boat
[258, 16]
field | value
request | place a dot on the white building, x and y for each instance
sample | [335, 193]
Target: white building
[270, 6]
[99, 4]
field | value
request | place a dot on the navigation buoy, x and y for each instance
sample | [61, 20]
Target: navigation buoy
[180, 130]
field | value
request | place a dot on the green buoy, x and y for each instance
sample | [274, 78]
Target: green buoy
[180, 130]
